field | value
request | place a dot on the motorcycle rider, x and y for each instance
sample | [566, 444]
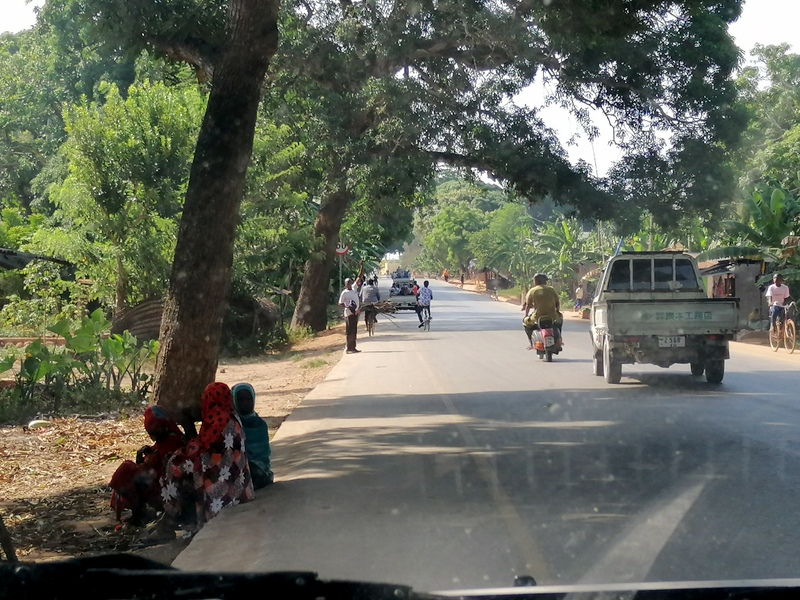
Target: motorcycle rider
[543, 300]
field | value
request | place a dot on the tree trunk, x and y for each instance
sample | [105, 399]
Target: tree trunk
[198, 291]
[120, 286]
[6, 543]
[311, 309]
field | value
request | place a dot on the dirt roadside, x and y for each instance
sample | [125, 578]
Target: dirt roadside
[55, 498]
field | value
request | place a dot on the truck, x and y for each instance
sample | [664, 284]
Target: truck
[651, 308]
[400, 292]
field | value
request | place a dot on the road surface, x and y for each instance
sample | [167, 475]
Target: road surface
[455, 459]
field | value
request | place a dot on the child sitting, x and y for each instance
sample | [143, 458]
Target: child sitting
[136, 485]
[256, 435]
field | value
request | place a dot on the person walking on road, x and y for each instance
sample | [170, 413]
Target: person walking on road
[579, 297]
[424, 301]
[349, 301]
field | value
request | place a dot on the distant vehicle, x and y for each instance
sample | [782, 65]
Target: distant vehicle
[652, 308]
[401, 292]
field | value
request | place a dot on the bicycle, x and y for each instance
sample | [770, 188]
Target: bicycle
[370, 317]
[785, 329]
[426, 318]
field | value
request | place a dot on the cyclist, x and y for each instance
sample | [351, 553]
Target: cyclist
[777, 298]
[369, 296]
[424, 298]
[544, 301]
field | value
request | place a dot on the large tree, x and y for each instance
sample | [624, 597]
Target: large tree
[437, 81]
[201, 272]
[231, 44]
[423, 82]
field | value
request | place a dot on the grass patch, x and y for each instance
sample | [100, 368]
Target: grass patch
[511, 293]
[315, 363]
[298, 334]
[81, 400]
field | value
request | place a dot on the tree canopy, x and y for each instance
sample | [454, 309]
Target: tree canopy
[384, 91]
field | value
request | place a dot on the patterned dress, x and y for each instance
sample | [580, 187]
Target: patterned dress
[212, 471]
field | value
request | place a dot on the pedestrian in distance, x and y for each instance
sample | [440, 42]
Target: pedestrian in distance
[579, 297]
[424, 302]
[370, 294]
[349, 301]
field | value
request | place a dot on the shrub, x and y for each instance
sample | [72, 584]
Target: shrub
[92, 367]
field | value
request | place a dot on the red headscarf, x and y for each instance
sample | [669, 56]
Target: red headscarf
[217, 411]
[156, 418]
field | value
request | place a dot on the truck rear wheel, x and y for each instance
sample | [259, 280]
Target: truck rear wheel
[597, 363]
[612, 371]
[715, 371]
[697, 368]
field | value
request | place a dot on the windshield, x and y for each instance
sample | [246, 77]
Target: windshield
[437, 293]
[653, 274]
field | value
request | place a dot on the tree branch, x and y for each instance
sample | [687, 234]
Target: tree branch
[202, 59]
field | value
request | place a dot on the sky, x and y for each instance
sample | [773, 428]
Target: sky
[762, 21]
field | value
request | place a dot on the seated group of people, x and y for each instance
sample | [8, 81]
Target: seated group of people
[192, 480]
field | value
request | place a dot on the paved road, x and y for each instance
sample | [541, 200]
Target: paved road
[454, 458]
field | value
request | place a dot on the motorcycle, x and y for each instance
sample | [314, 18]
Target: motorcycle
[546, 339]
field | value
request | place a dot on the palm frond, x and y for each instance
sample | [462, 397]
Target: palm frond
[750, 252]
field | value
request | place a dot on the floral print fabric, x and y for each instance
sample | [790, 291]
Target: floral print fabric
[212, 472]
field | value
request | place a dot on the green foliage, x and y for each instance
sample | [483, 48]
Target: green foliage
[456, 233]
[770, 88]
[298, 334]
[274, 236]
[47, 294]
[89, 359]
[766, 216]
[446, 244]
[128, 169]
[778, 162]
[76, 400]
[314, 363]
[16, 229]
[453, 228]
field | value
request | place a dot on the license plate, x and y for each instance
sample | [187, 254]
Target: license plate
[674, 341]
[549, 341]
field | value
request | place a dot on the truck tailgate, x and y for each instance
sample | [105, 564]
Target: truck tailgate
[672, 317]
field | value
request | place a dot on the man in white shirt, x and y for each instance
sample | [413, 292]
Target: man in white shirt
[777, 296]
[579, 297]
[424, 297]
[349, 301]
